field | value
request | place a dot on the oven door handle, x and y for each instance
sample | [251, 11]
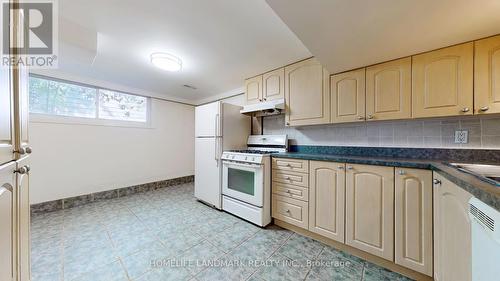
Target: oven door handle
[241, 164]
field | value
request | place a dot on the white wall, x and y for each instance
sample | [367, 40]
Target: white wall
[70, 160]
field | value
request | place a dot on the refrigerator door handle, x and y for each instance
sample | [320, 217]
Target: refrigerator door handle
[215, 152]
[217, 125]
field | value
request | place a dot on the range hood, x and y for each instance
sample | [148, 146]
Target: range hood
[266, 108]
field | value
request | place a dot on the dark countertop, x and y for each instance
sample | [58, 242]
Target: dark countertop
[484, 191]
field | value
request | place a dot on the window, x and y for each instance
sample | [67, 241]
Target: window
[50, 97]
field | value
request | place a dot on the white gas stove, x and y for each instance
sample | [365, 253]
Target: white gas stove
[246, 178]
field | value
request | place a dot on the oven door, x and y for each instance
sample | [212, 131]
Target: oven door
[243, 181]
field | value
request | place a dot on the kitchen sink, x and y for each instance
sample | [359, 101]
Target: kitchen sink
[489, 173]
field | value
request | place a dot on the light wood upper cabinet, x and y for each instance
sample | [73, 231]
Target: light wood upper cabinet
[253, 90]
[452, 232]
[487, 75]
[273, 85]
[370, 209]
[307, 93]
[8, 222]
[388, 90]
[347, 96]
[326, 203]
[443, 82]
[6, 118]
[413, 219]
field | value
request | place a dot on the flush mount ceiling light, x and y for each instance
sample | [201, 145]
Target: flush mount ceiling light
[166, 61]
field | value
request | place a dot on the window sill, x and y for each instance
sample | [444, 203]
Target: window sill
[68, 120]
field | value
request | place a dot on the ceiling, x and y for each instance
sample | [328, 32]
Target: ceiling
[221, 42]
[345, 35]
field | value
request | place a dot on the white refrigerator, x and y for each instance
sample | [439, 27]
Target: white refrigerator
[219, 126]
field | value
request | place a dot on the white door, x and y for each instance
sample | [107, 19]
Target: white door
[207, 186]
[207, 120]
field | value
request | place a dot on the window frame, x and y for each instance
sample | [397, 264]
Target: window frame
[96, 120]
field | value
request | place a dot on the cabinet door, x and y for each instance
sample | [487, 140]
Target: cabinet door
[20, 86]
[452, 232]
[273, 85]
[23, 211]
[253, 90]
[413, 219]
[487, 75]
[327, 199]
[347, 95]
[388, 90]
[6, 118]
[443, 82]
[8, 250]
[370, 209]
[307, 93]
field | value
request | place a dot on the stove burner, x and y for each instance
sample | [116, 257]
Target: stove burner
[254, 151]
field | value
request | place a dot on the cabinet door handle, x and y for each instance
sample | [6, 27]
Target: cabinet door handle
[23, 170]
[341, 167]
[402, 172]
[288, 123]
[465, 109]
[29, 150]
[350, 167]
[21, 151]
[436, 181]
[484, 108]
[287, 211]
[361, 118]
[370, 116]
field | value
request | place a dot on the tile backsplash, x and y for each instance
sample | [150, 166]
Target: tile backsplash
[484, 132]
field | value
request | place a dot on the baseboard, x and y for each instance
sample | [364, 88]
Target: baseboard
[356, 252]
[75, 201]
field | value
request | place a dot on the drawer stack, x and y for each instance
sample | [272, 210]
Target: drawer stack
[290, 188]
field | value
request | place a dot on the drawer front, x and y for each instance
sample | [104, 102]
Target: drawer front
[291, 211]
[291, 191]
[295, 165]
[291, 178]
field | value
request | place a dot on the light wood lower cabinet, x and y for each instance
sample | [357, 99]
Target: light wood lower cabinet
[452, 232]
[291, 191]
[327, 199]
[443, 82]
[487, 75]
[307, 94]
[370, 209]
[290, 210]
[289, 177]
[8, 222]
[294, 165]
[413, 219]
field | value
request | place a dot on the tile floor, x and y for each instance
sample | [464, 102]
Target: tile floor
[168, 235]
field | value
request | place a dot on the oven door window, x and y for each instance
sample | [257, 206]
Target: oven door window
[241, 181]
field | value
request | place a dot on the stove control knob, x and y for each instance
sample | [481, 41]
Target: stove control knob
[232, 157]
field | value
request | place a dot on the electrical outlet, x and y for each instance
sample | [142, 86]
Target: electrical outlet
[462, 136]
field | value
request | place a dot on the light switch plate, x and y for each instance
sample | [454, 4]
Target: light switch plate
[462, 136]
